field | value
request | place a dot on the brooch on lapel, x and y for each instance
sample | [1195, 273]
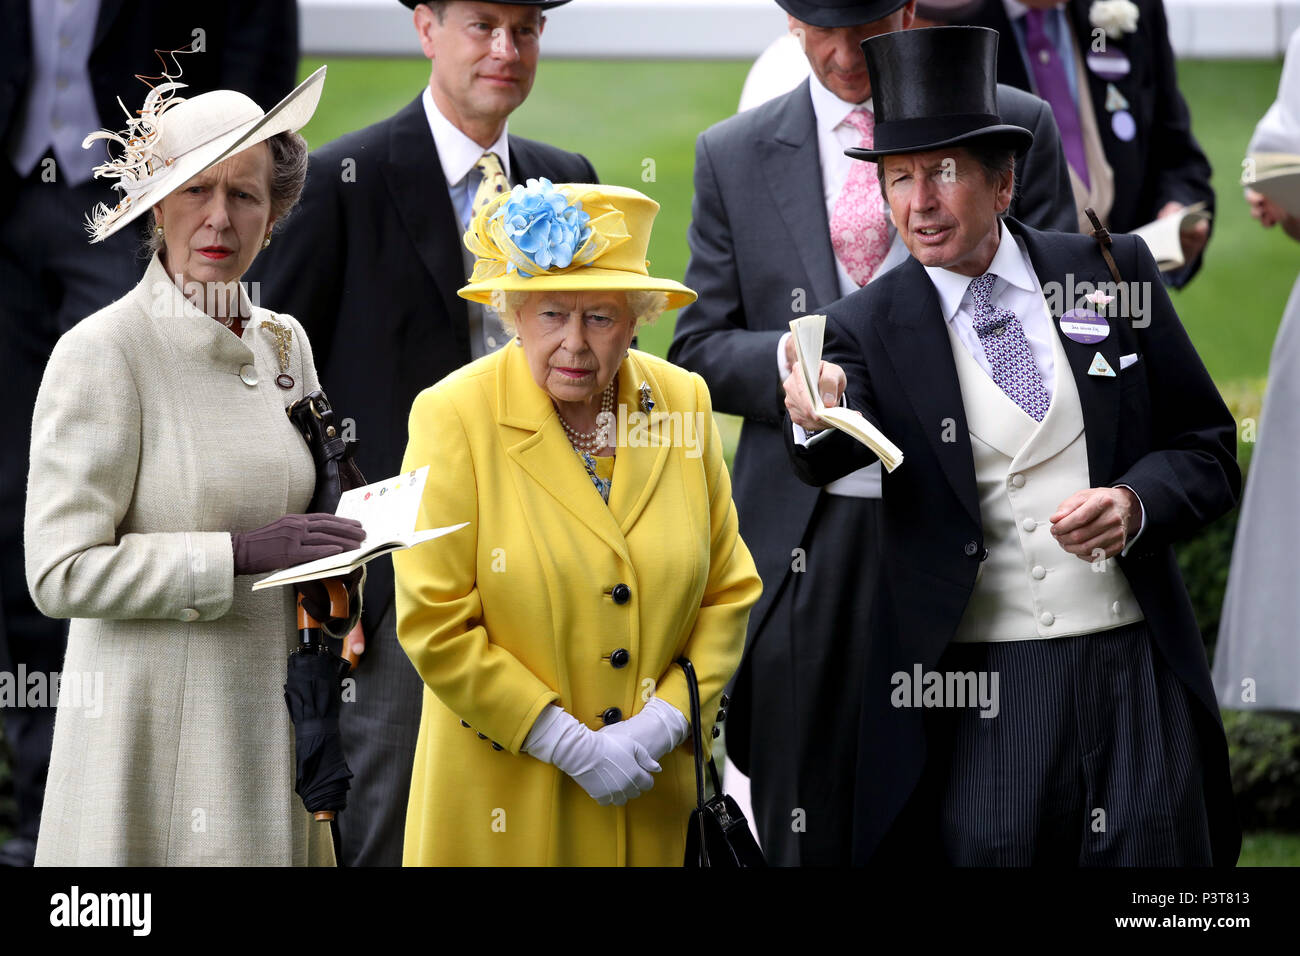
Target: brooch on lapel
[283, 336]
[647, 403]
[1101, 367]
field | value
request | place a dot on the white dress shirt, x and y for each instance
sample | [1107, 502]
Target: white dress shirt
[459, 154]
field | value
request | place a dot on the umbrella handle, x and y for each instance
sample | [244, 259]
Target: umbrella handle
[308, 627]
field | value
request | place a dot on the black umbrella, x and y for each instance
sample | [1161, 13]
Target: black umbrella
[312, 691]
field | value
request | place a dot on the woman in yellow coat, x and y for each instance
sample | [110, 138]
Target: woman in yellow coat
[602, 546]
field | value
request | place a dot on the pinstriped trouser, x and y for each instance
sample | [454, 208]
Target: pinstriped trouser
[1092, 758]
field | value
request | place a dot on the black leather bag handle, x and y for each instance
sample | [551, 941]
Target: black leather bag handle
[697, 736]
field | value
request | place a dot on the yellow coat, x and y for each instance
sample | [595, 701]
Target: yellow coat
[517, 610]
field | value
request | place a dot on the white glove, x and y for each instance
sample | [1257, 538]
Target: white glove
[660, 728]
[611, 769]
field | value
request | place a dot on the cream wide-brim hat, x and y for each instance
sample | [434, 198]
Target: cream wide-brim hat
[176, 139]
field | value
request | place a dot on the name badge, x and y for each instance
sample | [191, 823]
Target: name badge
[1084, 326]
[1110, 65]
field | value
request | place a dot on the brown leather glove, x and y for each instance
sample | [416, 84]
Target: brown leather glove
[292, 540]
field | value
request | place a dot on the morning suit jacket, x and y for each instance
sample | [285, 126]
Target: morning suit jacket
[760, 256]
[1163, 162]
[370, 262]
[1159, 427]
[249, 46]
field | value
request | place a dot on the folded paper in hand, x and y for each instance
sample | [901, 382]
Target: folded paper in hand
[1163, 236]
[808, 332]
[387, 511]
[1277, 176]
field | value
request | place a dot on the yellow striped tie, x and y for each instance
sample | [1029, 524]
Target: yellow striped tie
[492, 183]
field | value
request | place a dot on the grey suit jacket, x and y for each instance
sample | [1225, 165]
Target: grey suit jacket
[761, 255]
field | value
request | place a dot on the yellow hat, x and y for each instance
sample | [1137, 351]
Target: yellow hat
[571, 237]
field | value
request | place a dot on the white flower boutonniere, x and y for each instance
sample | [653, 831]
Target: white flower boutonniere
[1116, 17]
[1099, 298]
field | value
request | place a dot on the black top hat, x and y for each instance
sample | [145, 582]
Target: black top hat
[541, 4]
[840, 13]
[947, 11]
[935, 87]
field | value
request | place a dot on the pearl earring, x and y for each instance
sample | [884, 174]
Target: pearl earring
[158, 231]
[267, 241]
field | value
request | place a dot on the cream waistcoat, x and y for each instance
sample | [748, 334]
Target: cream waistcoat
[1029, 587]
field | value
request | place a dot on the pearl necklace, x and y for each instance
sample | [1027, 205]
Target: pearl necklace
[593, 441]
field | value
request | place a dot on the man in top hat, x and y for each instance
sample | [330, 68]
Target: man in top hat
[784, 224]
[370, 265]
[1036, 689]
[1109, 76]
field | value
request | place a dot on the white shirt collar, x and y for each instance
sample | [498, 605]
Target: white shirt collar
[828, 108]
[457, 152]
[1008, 263]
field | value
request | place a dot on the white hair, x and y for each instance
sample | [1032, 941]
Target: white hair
[644, 305]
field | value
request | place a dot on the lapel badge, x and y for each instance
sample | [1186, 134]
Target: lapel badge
[1114, 99]
[647, 402]
[1101, 367]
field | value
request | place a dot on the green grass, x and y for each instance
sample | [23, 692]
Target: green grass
[1233, 307]
[1270, 848]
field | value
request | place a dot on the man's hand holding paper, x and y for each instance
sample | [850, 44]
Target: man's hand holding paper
[830, 385]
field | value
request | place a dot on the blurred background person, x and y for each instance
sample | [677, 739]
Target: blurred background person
[164, 475]
[1108, 71]
[1257, 657]
[547, 633]
[370, 265]
[62, 65]
[783, 223]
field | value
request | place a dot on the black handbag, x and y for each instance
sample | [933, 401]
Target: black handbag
[718, 834]
[336, 469]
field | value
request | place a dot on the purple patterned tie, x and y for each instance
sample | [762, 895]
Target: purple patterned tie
[1007, 350]
[1054, 86]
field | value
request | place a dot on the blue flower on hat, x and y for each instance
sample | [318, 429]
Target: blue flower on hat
[543, 226]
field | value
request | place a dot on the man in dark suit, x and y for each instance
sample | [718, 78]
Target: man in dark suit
[1036, 690]
[62, 67]
[1125, 124]
[774, 201]
[370, 264]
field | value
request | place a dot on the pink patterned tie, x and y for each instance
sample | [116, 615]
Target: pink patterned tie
[859, 233]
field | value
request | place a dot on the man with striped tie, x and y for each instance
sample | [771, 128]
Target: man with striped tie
[1037, 693]
[784, 224]
[370, 265]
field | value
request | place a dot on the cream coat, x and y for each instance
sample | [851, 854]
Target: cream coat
[148, 448]
[517, 611]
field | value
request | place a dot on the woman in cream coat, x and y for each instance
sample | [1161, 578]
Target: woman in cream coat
[546, 632]
[164, 474]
